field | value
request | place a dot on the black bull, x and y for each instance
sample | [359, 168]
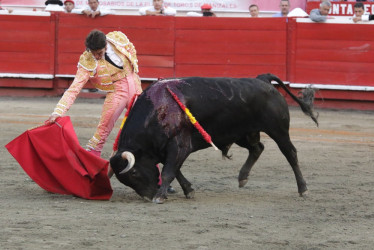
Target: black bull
[231, 110]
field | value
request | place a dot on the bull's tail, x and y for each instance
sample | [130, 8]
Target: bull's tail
[305, 101]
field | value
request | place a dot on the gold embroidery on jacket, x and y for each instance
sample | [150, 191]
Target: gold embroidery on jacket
[106, 72]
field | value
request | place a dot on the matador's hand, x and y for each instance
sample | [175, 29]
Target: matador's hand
[52, 119]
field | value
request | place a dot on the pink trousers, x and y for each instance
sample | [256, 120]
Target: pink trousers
[114, 104]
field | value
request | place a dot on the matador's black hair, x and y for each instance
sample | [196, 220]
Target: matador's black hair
[95, 40]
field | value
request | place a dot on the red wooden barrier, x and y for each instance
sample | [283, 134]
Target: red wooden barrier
[343, 57]
[153, 38]
[27, 46]
[299, 52]
[230, 47]
[169, 47]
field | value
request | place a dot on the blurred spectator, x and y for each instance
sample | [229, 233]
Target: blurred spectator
[157, 9]
[54, 5]
[206, 9]
[360, 14]
[320, 15]
[9, 10]
[253, 10]
[285, 8]
[58, 2]
[359, 10]
[69, 6]
[93, 9]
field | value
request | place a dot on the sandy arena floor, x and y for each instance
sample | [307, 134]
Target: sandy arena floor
[337, 161]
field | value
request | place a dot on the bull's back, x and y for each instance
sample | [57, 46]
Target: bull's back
[231, 100]
[227, 108]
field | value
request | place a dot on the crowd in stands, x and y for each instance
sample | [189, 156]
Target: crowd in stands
[158, 8]
[5, 9]
[92, 9]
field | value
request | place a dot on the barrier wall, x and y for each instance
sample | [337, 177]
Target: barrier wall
[344, 56]
[175, 47]
[153, 39]
[39, 55]
[27, 46]
[335, 56]
[230, 47]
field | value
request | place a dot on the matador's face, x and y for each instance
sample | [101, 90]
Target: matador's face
[98, 54]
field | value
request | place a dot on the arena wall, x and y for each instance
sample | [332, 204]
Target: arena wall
[39, 54]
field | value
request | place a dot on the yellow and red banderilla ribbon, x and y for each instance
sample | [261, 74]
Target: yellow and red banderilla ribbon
[193, 120]
[115, 145]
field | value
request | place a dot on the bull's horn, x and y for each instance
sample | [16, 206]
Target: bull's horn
[130, 158]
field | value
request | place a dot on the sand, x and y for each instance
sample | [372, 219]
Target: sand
[337, 161]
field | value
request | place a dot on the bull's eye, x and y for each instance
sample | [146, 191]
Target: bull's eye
[134, 173]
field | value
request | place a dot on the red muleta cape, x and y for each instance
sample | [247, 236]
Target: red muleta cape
[52, 156]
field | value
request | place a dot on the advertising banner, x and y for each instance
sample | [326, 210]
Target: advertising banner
[274, 5]
[342, 8]
[218, 5]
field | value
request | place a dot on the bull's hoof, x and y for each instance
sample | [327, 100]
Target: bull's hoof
[158, 200]
[304, 194]
[242, 183]
[191, 195]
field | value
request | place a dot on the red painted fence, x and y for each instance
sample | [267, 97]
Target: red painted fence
[27, 45]
[327, 54]
[335, 56]
[233, 47]
[174, 47]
